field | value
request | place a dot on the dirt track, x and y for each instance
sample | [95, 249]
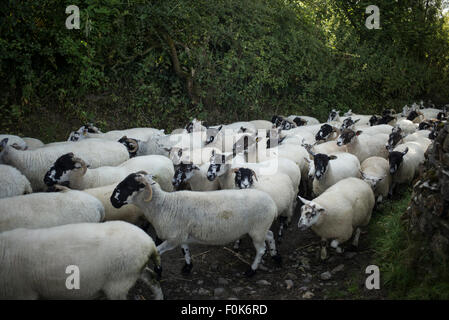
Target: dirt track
[218, 272]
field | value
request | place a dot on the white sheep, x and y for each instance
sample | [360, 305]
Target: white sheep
[194, 177]
[364, 146]
[420, 137]
[136, 133]
[303, 120]
[32, 143]
[404, 161]
[262, 124]
[407, 126]
[334, 215]
[375, 172]
[329, 169]
[72, 169]
[277, 186]
[17, 141]
[35, 163]
[13, 182]
[130, 213]
[48, 209]
[214, 217]
[108, 258]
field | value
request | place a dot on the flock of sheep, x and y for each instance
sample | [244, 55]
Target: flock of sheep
[86, 202]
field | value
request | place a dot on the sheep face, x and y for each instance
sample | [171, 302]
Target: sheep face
[348, 123]
[63, 167]
[75, 136]
[373, 120]
[412, 115]
[244, 178]
[131, 144]
[393, 139]
[183, 173]
[347, 136]
[321, 162]
[424, 125]
[310, 214]
[218, 166]
[333, 115]
[372, 181]
[211, 134]
[324, 133]
[287, 125]
[385, 119]
[395, 158]
[132, 185]
[194, 126]
[441, 116]
[299, 122]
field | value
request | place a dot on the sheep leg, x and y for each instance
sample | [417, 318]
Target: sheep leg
[390, 192]
[335, 244]
[260, 250]
[166, 246]
[282, 223]
[323, 249]
[188, 265]
[355, 241]
[237, 244]
[269, 238]
[149, 277]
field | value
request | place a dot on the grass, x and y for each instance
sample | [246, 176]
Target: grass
[406, 273]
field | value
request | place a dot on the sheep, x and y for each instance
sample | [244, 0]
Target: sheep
[136, 133]
[194, 177]
[333, 168]
[404, 161]
[326, 147]
[407, 126]
[262, 124]
[375, 172]
[32, 143]
[35, 163]
[15, 141]
[394, 138]
[327, 133]
[13, 182]
[277, 186]
[377, 129]
[430, 113]
[48, 209]
[109, 257]
[415, 116]
[303, 120]
[213, 217]
[73, 170]
[345, 206]
[130, 213]
[363, 146]
[420, 137]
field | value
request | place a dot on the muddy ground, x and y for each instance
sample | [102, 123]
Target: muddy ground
[218, 272]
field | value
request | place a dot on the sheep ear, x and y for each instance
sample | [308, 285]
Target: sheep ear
[357, 120]
[332, 157]
[3, 143]
[405, 151]
[358, 133]
[305, 201]
[195, 167]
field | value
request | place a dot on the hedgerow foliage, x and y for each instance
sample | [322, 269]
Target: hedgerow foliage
[159, 63]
